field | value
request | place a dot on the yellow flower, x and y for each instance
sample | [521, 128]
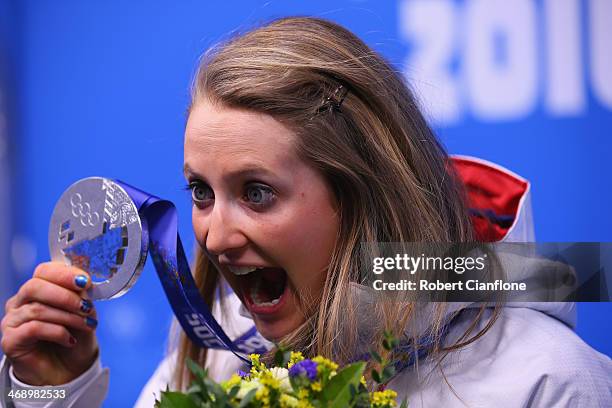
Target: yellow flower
[263, 395]
[316, 386]
[302, 394]
[233, 381]
[383, 399]
[295, 357]
[254, 359]
[287, 401]
[256, 365]
[324, 363]
[267, 378]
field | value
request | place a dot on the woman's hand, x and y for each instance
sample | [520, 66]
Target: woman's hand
[48, 330]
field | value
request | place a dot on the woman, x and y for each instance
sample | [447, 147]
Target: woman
[301, 144]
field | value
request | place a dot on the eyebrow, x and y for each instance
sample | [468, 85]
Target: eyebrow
[247, 170]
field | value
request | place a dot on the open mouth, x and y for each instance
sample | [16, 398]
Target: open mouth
[263, 288]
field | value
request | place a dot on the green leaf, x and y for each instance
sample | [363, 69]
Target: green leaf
[281, 357]
[363, 400]
[217, 391]
[194, 389]
[392, 341]
[248, 398]
[233, 391]
[336, 393]
[376, 376]
[196, 369]
[376, 357]
[404, 403]
[299, 382]
[387, 373]
[175, 400]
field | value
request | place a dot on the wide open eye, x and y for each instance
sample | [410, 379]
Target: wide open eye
[259, 195]
[201, 194]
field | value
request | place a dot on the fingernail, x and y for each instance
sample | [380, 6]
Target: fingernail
[81, 281]
[72, 340]
[86, 306]
[91, 322]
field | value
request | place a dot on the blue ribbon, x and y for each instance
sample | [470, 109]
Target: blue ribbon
[171, 264]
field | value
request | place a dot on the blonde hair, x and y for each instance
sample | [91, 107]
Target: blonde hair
[390, 175]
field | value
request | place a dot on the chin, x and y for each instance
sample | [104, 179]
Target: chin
[276, 330]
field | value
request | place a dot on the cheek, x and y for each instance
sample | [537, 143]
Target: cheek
[306, 241]
[315, 227]
[199, 226]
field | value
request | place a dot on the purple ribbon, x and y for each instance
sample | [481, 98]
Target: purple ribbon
[171, 264]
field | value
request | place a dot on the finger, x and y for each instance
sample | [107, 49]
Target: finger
[38, 311]
[10, 304]
[63, 275]
[39, 290]
[16, 339]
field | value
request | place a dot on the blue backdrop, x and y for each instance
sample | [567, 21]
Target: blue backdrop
[101, 88]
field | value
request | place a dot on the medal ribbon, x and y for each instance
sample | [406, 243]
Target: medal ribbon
[194, 315]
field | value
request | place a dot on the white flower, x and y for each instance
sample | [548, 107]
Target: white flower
[282, 375]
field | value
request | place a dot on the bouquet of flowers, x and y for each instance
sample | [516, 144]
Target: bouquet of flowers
[293, 382]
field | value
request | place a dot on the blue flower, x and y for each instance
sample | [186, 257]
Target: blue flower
[242, 374]
[306, 368]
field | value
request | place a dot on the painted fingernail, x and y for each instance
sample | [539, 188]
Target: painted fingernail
[91, 322]
[81, 281]
[72, 340]
[86, 306]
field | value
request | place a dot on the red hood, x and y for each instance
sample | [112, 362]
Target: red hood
[498, 199]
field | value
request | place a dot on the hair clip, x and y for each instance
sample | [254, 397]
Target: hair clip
[334, 101]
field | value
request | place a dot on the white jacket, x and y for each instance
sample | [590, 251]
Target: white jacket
[531, 357]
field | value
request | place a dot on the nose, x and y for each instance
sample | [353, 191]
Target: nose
[224, 235]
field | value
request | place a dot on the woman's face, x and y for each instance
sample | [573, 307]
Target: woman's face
[266, 218]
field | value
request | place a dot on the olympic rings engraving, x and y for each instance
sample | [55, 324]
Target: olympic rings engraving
[82, 211]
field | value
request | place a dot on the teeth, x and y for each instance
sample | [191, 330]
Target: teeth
[243, 270]
[268, 304]
[271, 303]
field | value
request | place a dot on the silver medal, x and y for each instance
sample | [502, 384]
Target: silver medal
[95, 226]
